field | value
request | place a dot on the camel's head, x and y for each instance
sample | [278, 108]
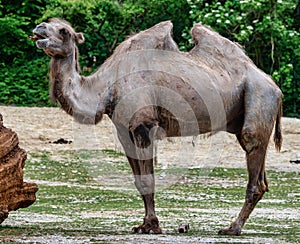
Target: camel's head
[57, 38]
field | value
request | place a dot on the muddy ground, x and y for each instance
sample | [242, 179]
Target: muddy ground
[40, 128]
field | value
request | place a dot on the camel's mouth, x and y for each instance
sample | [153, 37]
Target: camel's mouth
[38, 36]
[39, 33]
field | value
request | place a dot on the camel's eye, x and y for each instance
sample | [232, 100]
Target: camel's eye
[63, 32]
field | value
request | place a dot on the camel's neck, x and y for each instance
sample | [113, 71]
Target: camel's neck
[76, 94]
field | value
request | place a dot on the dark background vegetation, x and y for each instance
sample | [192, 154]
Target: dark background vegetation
[267, 29]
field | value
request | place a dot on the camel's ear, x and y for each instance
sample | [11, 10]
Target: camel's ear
[79, 37]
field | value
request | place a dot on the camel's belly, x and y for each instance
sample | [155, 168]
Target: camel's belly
[186, 124]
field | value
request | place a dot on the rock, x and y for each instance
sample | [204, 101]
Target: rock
[62, 141]
[184, 228]
[14, 192]
[295, 161]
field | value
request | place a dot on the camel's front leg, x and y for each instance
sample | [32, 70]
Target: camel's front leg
[144, 181]
[139, 152]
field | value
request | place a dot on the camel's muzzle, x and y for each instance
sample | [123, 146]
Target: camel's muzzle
[39, 32]
[40, 36]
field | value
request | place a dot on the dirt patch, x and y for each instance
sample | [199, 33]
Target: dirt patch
[38, 128]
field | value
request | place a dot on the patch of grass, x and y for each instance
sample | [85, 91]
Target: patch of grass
[113, 153]
[74, 202]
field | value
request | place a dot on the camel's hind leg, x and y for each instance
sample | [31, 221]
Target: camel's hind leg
[255, 148]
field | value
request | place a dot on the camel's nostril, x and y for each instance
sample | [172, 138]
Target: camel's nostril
[41, 26]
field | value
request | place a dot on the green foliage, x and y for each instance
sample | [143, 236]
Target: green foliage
[25, 84]
[23, 77]
[106, 23]
[268, 30]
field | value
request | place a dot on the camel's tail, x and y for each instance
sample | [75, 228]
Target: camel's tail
[277, 133]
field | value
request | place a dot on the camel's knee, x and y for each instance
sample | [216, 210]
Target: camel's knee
[250, 141]
[145, 184]
[254, 193]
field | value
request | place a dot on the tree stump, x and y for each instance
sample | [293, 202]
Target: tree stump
[14, 192]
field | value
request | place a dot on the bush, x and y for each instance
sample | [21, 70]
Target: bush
[268, 33]
[25, 84]
[266, 28]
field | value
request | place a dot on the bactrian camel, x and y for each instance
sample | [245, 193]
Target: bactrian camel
[150, 90]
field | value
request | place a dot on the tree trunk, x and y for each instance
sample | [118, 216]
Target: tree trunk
[14, 192]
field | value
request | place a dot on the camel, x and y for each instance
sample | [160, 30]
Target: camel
[151, 90]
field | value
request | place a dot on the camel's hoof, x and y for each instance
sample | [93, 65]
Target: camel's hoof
[143, 229]
[230, 231]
